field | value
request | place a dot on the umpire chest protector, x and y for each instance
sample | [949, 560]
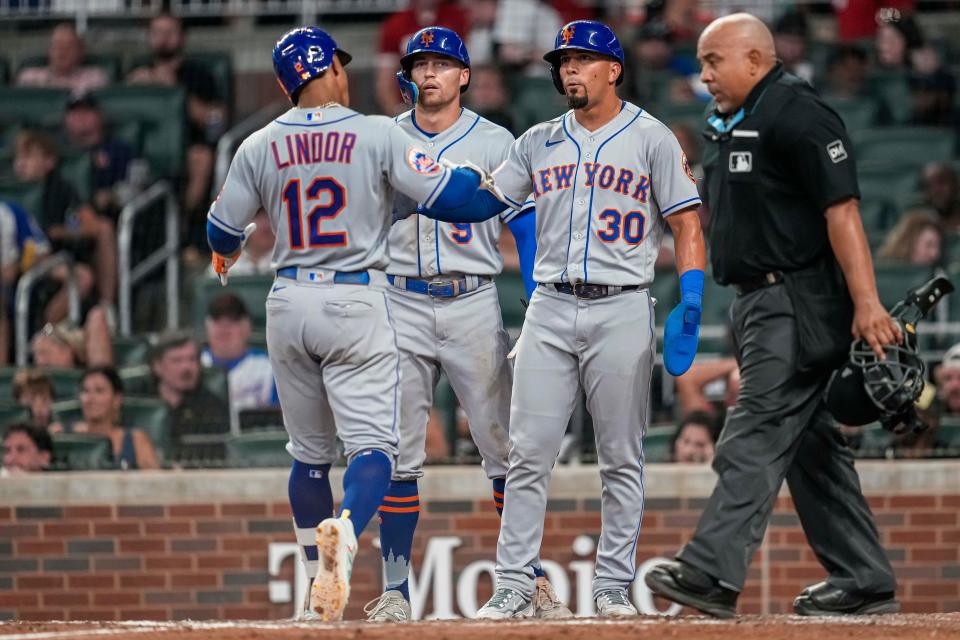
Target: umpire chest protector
[772, 169]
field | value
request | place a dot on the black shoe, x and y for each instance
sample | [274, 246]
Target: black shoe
[824, 599]
[691, 587]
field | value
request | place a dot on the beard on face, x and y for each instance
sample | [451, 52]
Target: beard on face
[577, 101]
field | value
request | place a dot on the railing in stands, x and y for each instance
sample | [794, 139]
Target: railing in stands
[25, 288]
[227, 146]
[167, 254]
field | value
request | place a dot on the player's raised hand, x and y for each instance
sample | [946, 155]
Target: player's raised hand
[222, 264]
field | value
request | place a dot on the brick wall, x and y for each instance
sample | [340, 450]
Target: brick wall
[157, 559]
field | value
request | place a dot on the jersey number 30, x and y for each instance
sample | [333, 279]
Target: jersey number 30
[629, 227]
[334, 198]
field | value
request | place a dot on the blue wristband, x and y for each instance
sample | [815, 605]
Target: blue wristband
[691, 286]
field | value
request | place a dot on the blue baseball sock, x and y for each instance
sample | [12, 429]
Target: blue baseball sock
[364, 485]
[311, 500]
[398, 522]
[498, 486]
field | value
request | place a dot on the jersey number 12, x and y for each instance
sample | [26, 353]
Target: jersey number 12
[326, 189]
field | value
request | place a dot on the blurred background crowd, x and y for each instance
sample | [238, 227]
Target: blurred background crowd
[118, 118]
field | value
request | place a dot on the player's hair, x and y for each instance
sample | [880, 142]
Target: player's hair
[107, 372]
[41, 439]
[39, 140]
[168, 341]
[33, 380]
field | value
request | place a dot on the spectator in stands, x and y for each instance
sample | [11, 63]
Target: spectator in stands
[695, 439]
[34, 390]
[917, 239]
[68, 222]
[481, 15]
[523, 30]
[22, 244]
[257, 253]
[947, 378]
[857, 19]
[655, 60]
[488, 95]
[110, 158]
[175, 365]
[101, 398]
[249, 375]
[847, 69]
[790, 35]
[709, 386]
[941, 192]
[395, 32]
[206, 113]
[26, 449]
[65, 346]
[64, 68]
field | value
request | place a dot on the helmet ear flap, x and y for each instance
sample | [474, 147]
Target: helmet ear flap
[557, 82]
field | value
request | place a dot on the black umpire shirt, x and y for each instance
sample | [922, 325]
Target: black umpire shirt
[772, 170]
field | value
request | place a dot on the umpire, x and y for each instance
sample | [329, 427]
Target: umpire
[786, 234]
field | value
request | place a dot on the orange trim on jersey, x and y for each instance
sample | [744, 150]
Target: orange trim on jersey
[400, 509]
[403, 499]
[498, 505]
[497, 494]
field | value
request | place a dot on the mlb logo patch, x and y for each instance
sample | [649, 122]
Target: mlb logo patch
[316, 473]
[420, 162]
[836, 151]
[741, 162]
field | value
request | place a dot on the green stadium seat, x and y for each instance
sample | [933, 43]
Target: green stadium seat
[716, 302]
[218, 63]
[151, 415]
[77, 169]
[875, 441]
[161, 111]
[129, 351]
[856, 113]
[690, 113]
[892, 90]
[258, 449]
[665, 289]
[33, 106]
[28, 195]
[878, 218]
[904, 148]
[887, 183]
[110, 64]
[512, 293]
[252, 290]
[11, 412]
[81, 452]
[656, 443]
[535, 100]
[66, 382]
[949, 432]
[894, 279]
[4, 71]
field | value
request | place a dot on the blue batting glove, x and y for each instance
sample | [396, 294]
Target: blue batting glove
[682, 330]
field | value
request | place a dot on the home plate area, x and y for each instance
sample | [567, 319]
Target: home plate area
[774, 627]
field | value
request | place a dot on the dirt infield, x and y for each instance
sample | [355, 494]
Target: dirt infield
[941, 626]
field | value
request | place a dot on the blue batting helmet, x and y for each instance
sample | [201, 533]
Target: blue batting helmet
[439, 40]
[584, 35]
[301, 55]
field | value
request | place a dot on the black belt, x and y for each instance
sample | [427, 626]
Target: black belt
[766, 280]
[591, 291]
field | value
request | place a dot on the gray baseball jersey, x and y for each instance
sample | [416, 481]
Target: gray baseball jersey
[326, 177]
[600, 195]
[421, 247]
[601, 198]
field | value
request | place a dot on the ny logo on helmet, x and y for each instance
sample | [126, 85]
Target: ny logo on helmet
[314, 54]
[426, 38]
[567, 34]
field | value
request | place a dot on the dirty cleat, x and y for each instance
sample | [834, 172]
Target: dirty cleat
[546, 604]
[505, 604]
[391, 606]
[614, 603]
[336, 547]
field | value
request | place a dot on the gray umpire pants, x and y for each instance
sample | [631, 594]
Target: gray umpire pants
[779, 429]
[606, 347]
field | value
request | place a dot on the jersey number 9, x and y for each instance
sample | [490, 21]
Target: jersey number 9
[334, 196]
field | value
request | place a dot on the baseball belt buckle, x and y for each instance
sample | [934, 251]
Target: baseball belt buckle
[448, 289]
[588, 291]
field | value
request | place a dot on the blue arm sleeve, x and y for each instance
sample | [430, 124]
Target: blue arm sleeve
[459, 189]
[223, 242]
[524, 230]
[482, 206]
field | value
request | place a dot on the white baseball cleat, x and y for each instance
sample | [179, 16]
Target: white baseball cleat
[505, 604]
[336, 547]
[614, 603]
[389, 607]
[546, 604]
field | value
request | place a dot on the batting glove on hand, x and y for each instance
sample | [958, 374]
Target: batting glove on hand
[486, 178]
[222, 264]
[681, 333]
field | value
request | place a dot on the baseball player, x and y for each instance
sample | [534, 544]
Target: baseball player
[325, 175]
[445, 306]
[605, 176]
